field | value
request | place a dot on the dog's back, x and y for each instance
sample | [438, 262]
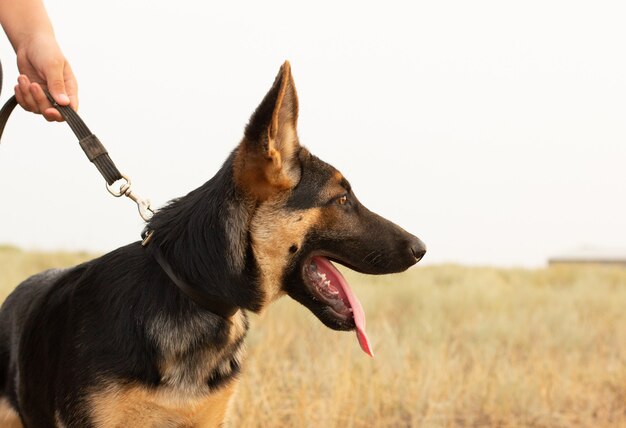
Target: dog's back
[27, 297]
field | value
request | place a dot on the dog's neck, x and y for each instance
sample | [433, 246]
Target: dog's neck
[198, 352]
[204, 237]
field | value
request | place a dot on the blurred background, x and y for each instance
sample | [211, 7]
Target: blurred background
[493, 130]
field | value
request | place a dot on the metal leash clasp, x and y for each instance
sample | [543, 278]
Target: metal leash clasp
[143, 205]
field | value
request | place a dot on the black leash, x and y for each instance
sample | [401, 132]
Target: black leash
[93, 148]
[98, 155]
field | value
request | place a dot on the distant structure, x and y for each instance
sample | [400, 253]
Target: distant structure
[591, 255]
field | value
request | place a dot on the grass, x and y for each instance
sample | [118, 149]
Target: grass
[455, 347]
[17, 265]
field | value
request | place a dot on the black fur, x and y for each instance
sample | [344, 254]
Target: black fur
[357, 238]
[113, 320]
[88, 323]
[197, 233]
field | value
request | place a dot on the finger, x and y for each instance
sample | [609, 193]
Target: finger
[52, 115]
[71, 85]
[40, 97]
[20, 98]
[56, 83]
[28, 102]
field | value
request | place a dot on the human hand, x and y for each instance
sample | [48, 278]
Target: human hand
[42, 65]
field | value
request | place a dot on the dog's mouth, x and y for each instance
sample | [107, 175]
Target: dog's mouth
[328, 285]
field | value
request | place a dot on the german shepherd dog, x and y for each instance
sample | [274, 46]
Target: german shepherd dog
[152, 335]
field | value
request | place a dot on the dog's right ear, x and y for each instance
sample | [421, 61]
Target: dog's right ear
[266, 161]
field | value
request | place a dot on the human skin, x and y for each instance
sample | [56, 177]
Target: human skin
[39, 58]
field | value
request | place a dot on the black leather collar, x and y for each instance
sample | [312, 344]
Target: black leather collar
[209, 302]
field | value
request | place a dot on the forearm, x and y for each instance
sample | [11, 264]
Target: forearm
[22, 19]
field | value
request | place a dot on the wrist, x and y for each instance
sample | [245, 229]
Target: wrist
[22, 40]
[23, 20]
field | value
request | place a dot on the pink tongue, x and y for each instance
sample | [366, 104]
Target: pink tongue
[337, 279]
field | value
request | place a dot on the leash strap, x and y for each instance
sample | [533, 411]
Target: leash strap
[98, 155]
[7, 108]
[93, 148]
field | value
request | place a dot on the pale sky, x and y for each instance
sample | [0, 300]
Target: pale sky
[493, 130]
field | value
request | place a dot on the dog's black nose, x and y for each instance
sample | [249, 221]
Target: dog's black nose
[418, 248]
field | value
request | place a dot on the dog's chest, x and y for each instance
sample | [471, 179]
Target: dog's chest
[138, 407]
[200, 353]
[197, 377]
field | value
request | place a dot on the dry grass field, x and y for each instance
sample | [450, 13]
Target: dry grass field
[455, 347]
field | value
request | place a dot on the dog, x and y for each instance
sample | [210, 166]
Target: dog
[151, 334]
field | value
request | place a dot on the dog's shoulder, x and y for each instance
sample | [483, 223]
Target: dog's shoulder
[27, 295]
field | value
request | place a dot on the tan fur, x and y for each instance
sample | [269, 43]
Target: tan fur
[264, 168]
[8, 417]
[273, 231]
[139, 407]
[282, 130]
[332, 190]
[57, 420]
[261, 175]
[238, 328]
[185, 372]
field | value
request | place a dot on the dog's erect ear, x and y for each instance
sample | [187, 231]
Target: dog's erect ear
[277, 115]
[266, 160]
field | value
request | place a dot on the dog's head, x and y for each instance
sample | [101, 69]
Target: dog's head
[306, 215]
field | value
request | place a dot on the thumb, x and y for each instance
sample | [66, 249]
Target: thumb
[56, 85]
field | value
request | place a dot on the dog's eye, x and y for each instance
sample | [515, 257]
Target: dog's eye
[342, 200]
